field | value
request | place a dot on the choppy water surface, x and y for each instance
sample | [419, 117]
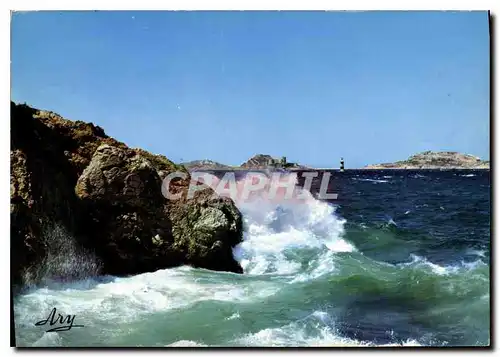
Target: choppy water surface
[400, 258]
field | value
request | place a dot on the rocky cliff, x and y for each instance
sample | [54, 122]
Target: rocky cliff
[84, 203]
[436, 160]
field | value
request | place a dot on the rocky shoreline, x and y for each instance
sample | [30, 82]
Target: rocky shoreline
[83, 203]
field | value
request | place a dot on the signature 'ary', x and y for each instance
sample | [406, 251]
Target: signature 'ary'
[65, 322]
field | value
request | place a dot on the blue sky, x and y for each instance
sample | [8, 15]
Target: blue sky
[369, 86]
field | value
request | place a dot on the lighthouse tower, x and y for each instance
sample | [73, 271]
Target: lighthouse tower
[341, 164]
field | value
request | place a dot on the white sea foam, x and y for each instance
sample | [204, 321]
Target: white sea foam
[48, 339]
[234, 316]
[316, 330]
[273, 230]
[186, 343]
[417, 176]
[421, 262]
[371, 180]
[317, 267]
[391, 222]
[290, 337]
[479, 253]
[124, 300]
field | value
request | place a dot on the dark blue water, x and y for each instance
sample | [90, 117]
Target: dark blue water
[439, 219]
[442, 215]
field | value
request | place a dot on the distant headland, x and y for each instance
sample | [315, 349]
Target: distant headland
[435, 160]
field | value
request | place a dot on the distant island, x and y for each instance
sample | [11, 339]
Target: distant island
[205, 165]
[436, 160]
[256, 162]
[261, 161]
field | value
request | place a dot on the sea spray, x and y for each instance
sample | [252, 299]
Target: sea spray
[275, 229]
[65, 260]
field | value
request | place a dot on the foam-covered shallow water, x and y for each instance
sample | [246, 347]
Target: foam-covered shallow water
[400, 259]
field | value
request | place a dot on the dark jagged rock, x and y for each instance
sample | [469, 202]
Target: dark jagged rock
[71, 177]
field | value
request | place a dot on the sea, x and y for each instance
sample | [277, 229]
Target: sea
[398, 258]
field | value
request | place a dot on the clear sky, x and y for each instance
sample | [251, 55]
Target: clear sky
[369, 86]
